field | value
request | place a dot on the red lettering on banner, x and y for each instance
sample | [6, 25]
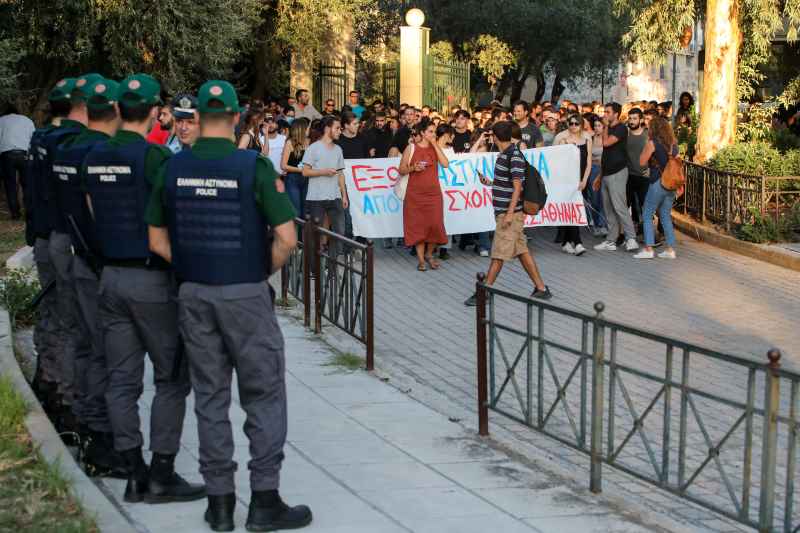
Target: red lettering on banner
[393, 173]
[581, 213]
[363, 174]
[552, 212]
[452, 205]
[477, 199]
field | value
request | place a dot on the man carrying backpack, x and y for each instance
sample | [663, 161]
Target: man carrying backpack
[509, 242]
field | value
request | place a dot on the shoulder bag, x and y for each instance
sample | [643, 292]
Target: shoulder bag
[402, 183]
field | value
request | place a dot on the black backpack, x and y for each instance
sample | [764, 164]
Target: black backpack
[534, 192]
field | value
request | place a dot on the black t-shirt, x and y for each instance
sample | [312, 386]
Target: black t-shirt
[615, 157]
[380, 140]
[531, 135]
[401, 138]
[355, 148]
[461, 142]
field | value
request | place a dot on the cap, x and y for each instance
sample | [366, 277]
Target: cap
[220, 91]
[184, 105]
[62, 90]
[103, 94]
[140, 89]
[83, 83]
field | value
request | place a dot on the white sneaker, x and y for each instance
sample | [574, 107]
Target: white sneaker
[568, 249]
[667, 254]
[579, 249]
[606, 246]
[631, 245]
[484, 253]
[645, 254]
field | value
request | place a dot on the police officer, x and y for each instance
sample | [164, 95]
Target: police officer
[60, 253]
[137, 307]
[216, 202]
[90, 364]
[187, 123]
[47, 333]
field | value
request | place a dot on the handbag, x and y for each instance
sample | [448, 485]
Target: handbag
[673, 177]
[402, 182]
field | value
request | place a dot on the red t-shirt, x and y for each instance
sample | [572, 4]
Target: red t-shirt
[158, 135]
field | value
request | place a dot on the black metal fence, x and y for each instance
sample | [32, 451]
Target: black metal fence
[390, 83]
[445, 83]
[330, 82]
[729, 198]
[333, 277]
[700, 424]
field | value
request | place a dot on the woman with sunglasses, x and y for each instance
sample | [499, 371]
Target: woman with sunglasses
[570, 236]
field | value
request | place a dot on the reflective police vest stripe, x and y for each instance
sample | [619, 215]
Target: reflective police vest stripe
[115, 181]
[217, 233]
[71, 197]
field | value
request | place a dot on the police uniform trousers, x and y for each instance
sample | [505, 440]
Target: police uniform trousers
[90, 356]
[47, 332]
[60, 251]
[139, 314]
[234, 327]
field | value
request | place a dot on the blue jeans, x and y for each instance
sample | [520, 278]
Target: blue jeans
[595, 200]
[485, 240]
[296, 188]
[661, 200]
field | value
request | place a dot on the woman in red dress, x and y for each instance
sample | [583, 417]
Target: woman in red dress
[423, 207]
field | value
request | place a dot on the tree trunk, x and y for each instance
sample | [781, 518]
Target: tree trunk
[557, 90]
[541, 85]
[719, 98]
[519, 84]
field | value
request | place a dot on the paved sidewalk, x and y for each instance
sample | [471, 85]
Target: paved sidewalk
[368, 458]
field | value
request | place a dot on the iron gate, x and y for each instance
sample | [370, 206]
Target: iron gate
[330, 82]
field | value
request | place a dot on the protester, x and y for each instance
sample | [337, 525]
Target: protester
[593, 195]
[303, 108]
[549, 129]
[660, 145]
[250, 137]
[329, 107]
[15, 138]
[509, 241]
[355, 104]
[614, 181]
[444, 138]
[291, 165]
[163, 127]
[379, 136]
[272, 141]
[531, 135]
[570, 235]
[400, 141]
[423, 206]
[638, 181]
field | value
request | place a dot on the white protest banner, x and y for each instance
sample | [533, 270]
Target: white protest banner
[378, 213]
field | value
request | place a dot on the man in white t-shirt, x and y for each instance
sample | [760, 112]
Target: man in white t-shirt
[15, 138]
[323, 165]
[273, 143]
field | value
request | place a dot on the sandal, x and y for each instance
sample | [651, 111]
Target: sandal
[422, 268]
[434, 264]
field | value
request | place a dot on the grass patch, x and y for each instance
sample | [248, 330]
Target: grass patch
[34, 496]
[347, 360]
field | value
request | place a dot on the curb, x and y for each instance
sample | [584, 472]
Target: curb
[107, 517]
[23, 258]
[768, 254]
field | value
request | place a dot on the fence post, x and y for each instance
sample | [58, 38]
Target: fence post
[728, 193]
[598, 371]
[308, 254]
[285, 284]
[483, 382]
[703, 196]
[769, 452]
[370, 310]
[317, 278]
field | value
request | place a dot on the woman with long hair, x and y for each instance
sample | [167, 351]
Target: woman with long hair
[293, 151]
[656, 153]
[592, 193]
[444, 138]
[250, 138]
[423, 206]
[575, 135]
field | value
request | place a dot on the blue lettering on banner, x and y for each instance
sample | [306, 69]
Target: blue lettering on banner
[377, 204]
[544, 170]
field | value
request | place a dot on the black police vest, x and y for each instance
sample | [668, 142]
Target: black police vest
[217, 233]
[41, 180]
[70, 195]
[115, 181]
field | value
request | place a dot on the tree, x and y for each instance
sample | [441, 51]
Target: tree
[737, 41]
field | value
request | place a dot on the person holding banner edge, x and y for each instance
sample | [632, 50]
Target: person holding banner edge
[509, 239]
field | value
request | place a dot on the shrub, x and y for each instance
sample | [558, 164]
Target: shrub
[17, 291]
[766, 229]
[755, 158]
[784, 140]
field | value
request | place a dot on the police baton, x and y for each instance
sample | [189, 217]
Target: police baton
[91, 259]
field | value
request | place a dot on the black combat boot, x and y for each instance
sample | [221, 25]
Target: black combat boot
[137, 475]
[219, 514]
[101, 459]
[167, 486]
[269, 513]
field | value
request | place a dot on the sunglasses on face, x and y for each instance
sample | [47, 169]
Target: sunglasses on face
[573, 123]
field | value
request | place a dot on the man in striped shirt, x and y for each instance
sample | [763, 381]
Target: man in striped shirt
[509, 242]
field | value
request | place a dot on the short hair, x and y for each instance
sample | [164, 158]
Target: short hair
[328, 122]
[524, 105]
[380, 114]
[215, 117]
[426, 105]
[636, 111]
[134, 112]
[503, 131]
[331, 100]
[60, 108]
[615, 107]
[298, 92]
[516, 131]
[444, 129]
[354, 92]
[348, 117]
[462, 113]
[105, 114]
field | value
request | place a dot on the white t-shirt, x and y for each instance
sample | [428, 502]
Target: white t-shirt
[319, 156]
[275, 150]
